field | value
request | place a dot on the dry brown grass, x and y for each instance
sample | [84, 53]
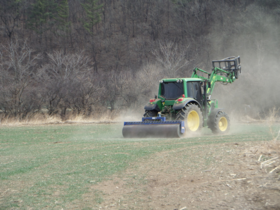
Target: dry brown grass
[101, 115]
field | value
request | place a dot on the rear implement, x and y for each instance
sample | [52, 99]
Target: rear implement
[153, 127]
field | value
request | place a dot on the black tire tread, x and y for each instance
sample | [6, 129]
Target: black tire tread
[183, 113]
[213, 123]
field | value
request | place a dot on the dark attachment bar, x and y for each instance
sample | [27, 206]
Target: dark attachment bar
[230, 63]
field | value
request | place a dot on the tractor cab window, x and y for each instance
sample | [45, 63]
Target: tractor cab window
[172, 90]
[194, 91]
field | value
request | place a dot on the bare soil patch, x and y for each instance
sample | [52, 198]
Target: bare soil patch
[217, 176]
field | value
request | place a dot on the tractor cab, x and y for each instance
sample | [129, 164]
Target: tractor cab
[173, 89]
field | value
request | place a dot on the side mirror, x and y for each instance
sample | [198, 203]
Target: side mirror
[155, 96]
[209, 84]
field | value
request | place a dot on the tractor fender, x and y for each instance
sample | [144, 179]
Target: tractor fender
[151, 107]
[182, 105]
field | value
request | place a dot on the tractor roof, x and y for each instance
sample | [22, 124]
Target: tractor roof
[185, 79]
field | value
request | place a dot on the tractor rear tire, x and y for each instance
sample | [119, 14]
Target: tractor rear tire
[220, 123]
[150, 113]
[192, 116]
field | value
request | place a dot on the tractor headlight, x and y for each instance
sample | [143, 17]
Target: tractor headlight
[160, 81]
[178, 81]
[181, 80]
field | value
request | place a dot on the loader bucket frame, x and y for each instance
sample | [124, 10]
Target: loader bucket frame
[229, 64]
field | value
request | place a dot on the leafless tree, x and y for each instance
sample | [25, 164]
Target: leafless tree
[171, 57]
[10, 13]
[18, 73]
[70, 83]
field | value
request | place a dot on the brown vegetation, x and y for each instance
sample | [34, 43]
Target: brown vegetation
[87, 56]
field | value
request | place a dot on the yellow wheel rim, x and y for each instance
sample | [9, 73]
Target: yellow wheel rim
[193, 120]
[223, 123]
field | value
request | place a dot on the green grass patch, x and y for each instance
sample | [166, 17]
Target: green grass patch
[48, 167]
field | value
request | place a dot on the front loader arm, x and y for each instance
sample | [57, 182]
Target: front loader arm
[219, 75]
[215, 76]
[229, 73]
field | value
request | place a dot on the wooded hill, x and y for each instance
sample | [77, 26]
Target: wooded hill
[87, 55]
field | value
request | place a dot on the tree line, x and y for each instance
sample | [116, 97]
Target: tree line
[90, 55]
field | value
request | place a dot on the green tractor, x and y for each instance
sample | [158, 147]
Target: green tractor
[185, 104]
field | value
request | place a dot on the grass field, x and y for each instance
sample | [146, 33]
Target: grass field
[52, 166]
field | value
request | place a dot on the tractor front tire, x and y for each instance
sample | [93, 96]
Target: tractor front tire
[192, 116]
[220, 123]
[150, 113]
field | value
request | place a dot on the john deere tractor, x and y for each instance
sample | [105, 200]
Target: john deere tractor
[185, 104]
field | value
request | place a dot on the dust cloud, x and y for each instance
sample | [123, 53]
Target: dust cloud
[254, 36]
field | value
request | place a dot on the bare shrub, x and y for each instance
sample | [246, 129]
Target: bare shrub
[70, 84]
[148, 80]
[171, 57]
[119, 89]
[128, 91]
[18, 78]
